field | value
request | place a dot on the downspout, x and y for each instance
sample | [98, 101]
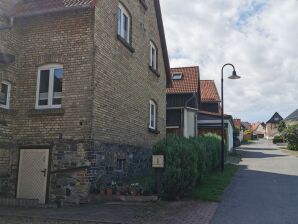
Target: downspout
[9, 26]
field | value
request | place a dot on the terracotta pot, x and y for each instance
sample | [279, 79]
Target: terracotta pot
[109, 191]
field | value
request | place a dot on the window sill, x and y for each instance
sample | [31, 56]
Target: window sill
[7, 111]
[154, 131]
[47, 112]
[155, 72]
[124, 42]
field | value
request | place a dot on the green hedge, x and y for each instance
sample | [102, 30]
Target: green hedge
[277, 139]
[291, 134]
[187, 162]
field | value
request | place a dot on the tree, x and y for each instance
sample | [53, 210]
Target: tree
[291, 134]
[282, 126]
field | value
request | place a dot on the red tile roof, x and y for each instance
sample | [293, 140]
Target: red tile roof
[189, 82]
[254, 126]
[209, 91]
[32, 7]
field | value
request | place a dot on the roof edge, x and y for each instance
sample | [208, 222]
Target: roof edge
[163, 41]
[53, 11]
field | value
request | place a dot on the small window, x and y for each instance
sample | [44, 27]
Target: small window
[5, 95]
[153, 56]
[121, 164]
[124, 21]
[177, 76]
[152, 119]
[49, 86]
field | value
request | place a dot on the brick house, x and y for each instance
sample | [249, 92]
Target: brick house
[183, 101]
[272, 125]
[83, 94]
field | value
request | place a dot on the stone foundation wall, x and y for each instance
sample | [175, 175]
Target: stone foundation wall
[75, 166]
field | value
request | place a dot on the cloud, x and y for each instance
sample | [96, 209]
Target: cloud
[258, 36]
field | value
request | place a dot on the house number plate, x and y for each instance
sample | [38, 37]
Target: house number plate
[158, 161]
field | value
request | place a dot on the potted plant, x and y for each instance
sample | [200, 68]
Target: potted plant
[109, 191]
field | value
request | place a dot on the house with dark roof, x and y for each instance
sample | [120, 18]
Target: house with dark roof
[83, 96]
[183, 101]
[272, 126]
[292, 119]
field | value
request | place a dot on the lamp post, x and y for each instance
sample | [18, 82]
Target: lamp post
[233, 76]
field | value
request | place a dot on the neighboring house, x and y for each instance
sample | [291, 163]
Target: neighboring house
[272, 126]
[210, 100]
[292, 119]
[239, 129]
[209, 122]
[183, 101]
[83, 95]
[247, 131]
[209, 118]
[259, 129]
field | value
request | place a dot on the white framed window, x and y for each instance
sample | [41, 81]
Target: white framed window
[5, 94]
[49, 86]
[177, 76]
[152, 117]
[153, 56]
[124, 21]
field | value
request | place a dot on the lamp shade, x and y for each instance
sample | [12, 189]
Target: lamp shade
[234, 75]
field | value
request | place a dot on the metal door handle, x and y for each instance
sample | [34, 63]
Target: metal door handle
[44, 172]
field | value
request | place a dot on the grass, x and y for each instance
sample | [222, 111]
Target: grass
[214, 185]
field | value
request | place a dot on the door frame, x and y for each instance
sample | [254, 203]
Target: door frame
[41, 147]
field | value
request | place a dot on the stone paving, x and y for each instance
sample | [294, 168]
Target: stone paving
[182, 212]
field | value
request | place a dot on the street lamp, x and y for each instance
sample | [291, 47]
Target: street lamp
[233, 76]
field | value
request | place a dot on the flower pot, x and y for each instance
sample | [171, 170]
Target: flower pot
[109, 191]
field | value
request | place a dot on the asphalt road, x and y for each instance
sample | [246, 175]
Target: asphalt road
[265, 190]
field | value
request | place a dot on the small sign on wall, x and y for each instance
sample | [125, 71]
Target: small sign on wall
[158, 161]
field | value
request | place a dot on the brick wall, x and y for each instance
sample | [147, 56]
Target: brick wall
[64, 38]
[124, 84]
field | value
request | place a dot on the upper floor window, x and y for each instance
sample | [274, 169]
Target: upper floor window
[152, 117]
[5, 94]
[49, 86]
[153, 56]
[124, 21]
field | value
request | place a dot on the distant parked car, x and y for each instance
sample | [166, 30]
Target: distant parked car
[236, 142]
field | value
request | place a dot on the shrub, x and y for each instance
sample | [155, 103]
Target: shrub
[292, 136]
[278, 139]
[187, 161]
[181, 166]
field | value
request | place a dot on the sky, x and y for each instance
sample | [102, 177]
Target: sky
[260, 37]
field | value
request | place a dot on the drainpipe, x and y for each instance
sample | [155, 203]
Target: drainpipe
[9, 26]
